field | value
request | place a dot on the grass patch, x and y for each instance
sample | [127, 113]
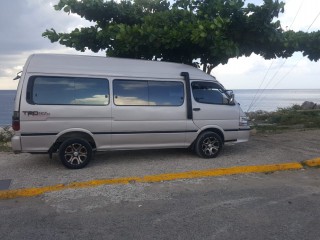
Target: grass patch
[5, 137]
[284, 119]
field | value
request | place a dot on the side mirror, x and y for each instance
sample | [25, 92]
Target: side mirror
[231, 97]
[18, 76]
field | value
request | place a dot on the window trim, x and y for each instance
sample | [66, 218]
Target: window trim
[30, 87]
[150, 80]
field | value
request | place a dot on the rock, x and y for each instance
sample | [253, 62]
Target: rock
[308, 105]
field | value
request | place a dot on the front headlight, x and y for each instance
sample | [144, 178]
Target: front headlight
[243, 121]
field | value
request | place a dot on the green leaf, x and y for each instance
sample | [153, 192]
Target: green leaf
[67, 9]
[203, 34]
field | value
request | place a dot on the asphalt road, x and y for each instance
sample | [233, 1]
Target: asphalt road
[281, 205]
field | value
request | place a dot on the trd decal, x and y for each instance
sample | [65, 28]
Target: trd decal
[35, 113]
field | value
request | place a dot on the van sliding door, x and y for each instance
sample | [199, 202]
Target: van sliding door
[148, 114]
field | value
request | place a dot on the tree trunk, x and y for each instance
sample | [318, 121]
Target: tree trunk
[204, 67]
[209, 68]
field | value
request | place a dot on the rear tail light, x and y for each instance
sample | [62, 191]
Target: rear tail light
[16, 121]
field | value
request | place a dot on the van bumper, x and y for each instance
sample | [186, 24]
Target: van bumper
[16, 144]
[243, 135]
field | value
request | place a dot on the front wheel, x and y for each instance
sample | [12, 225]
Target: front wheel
[75, 153]
[208, 145]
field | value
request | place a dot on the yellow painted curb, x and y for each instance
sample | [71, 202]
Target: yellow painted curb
[312, 162]
[31, 192]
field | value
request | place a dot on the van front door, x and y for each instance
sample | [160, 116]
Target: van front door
[211, 107]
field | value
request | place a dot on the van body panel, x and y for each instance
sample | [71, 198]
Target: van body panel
[62, 119]
[37, 143]
[58, 64]
[214, 115]
[224, 118]
[165, 124]
[192, 132]
[16, 144]
[243, 135]
[155, 141]
[53, 120]
[148, 126]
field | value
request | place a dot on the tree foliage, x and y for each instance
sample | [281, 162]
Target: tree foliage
[208, 31]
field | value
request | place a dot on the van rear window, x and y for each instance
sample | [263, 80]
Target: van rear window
[47, 90]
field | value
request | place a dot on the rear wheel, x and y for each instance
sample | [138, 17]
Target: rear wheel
[75, 153]
[208, 145]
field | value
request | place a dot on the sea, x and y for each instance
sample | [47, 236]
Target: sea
[250, 100]
[272, 99]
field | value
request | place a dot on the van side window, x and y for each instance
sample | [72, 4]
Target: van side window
[208, 92]
[46, 90]
[148, 93]
[134, 93]
[166, 93]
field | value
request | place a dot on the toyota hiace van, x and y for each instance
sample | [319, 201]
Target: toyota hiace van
[74, 105]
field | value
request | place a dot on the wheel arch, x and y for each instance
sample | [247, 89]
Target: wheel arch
[216, 130]
[73, 133]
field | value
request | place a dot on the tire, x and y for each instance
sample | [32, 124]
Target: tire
[208, 145]
[75, 153]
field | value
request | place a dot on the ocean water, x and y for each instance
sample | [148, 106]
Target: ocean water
[6, 106]
[268, 100]
[271, 100]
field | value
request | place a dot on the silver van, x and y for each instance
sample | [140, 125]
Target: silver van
[74, 105]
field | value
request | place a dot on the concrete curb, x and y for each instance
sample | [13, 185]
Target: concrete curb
[312, 162]
[31, 192]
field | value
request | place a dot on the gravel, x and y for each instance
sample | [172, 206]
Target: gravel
[28, 170]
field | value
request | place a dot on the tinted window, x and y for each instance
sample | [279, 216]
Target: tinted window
[207, 92]
[148, 93]
[166, 93]
[130, 92]
[68, 91]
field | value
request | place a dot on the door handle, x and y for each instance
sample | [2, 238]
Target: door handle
[196, 109]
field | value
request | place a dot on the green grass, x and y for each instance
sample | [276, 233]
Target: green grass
[4, 147]
[285, 119]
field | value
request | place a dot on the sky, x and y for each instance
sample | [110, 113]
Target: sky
[22, 23]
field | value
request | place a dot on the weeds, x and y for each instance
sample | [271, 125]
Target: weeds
[285, 119]
[6, 134]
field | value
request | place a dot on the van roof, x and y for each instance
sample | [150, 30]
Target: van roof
[109, 66]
